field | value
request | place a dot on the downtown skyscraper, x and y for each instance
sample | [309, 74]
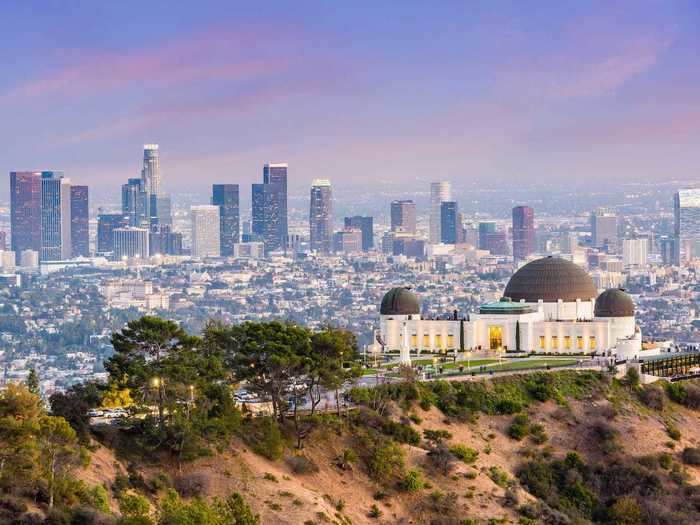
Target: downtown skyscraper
[403, 216]
[226, 197]
[206, 241]
[55, 216]
[25, 211]
[686, 211]
[366, 226]
[269, 217]
[79, 221]
[158, 205]
[523, 232]
[439, 192]
[449, 222]
[321, 216]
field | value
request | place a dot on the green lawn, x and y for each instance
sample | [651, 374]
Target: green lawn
[524, 364]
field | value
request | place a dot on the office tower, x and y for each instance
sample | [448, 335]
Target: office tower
[523, 232]
[129, 242]
[266, 218]
[249, 250]
[79, 221]
[25, 211]
[226, 197]
[150, 174]
[485, 229]
[277, 174]
[403, 216]
[163, 214]
[134, 202]
[604, 229]
[55, 217]
[3, 240]
[206, 238]
[667, 248]
[106, 224]
[347, 241]
[29, 259]
[686, 208]
[439, 192]
[448, 222]
[321, 216]
[366, 226]
[172, 242]
[635, 252]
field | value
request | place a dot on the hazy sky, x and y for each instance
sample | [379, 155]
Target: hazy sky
[358, 92]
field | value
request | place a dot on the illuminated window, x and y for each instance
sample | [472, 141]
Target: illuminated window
[542, 342]
[426, 341]
[579, 342]
[450, 341]
[414, 341]
[495, 337]
[555, 342]
[591, 342]
[438, 342]
[567, 342]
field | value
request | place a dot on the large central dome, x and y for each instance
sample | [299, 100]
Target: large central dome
[550, 279]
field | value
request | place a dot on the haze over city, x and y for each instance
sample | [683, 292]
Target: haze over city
[562, 93]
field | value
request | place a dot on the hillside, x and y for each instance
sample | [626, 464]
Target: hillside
[607, 424]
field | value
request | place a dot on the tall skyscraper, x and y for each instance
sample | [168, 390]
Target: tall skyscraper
[131, 242]
[321, 216]
[604, 229]
[80, 221]
[523, 232]
[55, 216]
[439, 192]
[403, 216]
[635, 252]
[266, 215]
[206, 239]
[134, 202]
[106, 224]
[448, 222]
[366, 226]
[485, 229]
[686, 208]
[150, 174]
[277, 174]
[25, 211]
[226, 197]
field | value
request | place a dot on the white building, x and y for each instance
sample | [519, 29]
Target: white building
[550, 305]
[249, 250]
[635, 252]
[205, 231]
[130, 242]
[439, 192]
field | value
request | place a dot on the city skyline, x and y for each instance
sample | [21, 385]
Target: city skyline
[498, 102]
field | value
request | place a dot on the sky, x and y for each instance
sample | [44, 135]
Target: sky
[368, 94]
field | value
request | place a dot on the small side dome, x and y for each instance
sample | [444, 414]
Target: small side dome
[614, 302]
[400, 301]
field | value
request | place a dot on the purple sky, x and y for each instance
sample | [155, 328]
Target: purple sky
[358, 92]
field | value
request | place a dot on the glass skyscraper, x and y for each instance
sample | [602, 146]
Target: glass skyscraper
[686, 208]
[321, 216]
[276, 174]
[25, 211]
[226, 197]
[523, 232]
[403, 216]
[80, 221]
[448, 222]
[55, 216]
[134, 202]
[366, 226]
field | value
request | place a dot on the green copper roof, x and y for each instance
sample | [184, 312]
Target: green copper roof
[505, 306]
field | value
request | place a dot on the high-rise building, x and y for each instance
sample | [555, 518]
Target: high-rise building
[226, 197]
[403, 216]
[485, 229]
[80, 221]
[686, 208]
[3, 240]
[150, 174]
[604, 229]
[131, 242]
[439, 192]
[496, 243]
[635, 252]
[448, 222]
[277, 174]
[134, 202]
[366, 226]
[266, 218]
[25, 211]
[347, 241]
[321, 216]
[106, 224]
[55, 216]
[206, 238]
[523, 232]
[163, 213]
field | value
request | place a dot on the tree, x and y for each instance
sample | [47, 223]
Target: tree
[237, 511]
[517, 336]
[58, 450]
[74, 404]
[33, 382]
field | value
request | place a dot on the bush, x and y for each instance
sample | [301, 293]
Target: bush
[412, 482]
[652, 396]
[519, 428]
[508, 406]
[301, 464]
[264, 437]
[625, 511]
[499, 477]
[464, 453]
[691, 456]
[665, 460]
[632, 377]
[436, 436]
[191, 485]
[386, 460]
[374, 511]
[538, 434]
[673, 432]
[441, 458]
